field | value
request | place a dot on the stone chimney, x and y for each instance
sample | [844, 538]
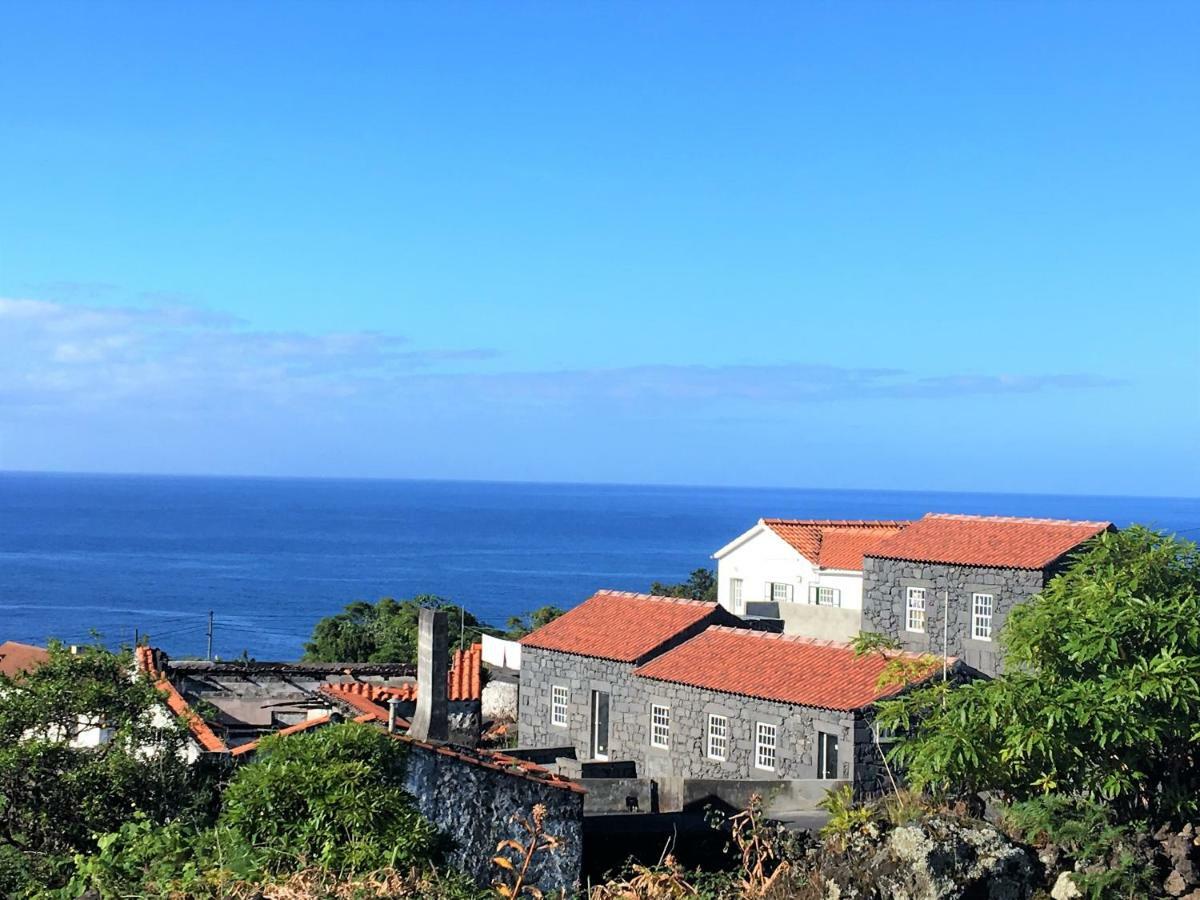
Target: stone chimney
[431, 720]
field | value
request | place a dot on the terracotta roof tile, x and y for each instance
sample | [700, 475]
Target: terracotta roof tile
[1006, 542]
[17, 659]
[464, 681]
[784, 668]
[834, 543]
[144, 658]
[620, 626]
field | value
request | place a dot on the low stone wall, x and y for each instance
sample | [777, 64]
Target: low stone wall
[618, 795]
[474, 805]
[786, 796]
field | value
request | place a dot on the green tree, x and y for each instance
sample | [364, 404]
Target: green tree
[1100, 698]
[519, 626]
[701, 585]
[56, 796]
[385, 631]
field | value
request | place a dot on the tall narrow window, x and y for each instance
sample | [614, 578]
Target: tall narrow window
[558, 705]
[764, 746]
[914, 618]
[826, 596]
[779, 592]
[827, 755]
[660, 726]
[981, 616]
[718, 736]
[736, 602]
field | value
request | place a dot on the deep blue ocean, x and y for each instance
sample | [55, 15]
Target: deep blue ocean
[271, 556]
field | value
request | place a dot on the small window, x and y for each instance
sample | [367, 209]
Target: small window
[914, 616]
[718, 737]
[660, 726]
[826, 596]
[827, 755]
[558, 705]
[736, 601]
[779, 592]
[981, 617]
[764, 746]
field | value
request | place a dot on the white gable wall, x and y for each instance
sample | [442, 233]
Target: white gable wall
[761, 557]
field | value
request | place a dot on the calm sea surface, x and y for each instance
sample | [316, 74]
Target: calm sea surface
[271, 556]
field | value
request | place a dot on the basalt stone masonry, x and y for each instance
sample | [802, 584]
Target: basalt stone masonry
[885, 590]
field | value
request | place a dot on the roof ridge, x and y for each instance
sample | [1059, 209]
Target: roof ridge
[841, 523]
[634, 595]
[812, 641]
[1014, 520]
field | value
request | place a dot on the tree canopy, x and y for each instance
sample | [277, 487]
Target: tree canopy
[519, 626]
[56, 796]
[701, 585]
[385, 631]
[1100, 697]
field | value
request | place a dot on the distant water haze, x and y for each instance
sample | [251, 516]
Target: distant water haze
[269, 557]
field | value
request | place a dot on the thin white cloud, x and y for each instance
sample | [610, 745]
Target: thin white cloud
[179, 357]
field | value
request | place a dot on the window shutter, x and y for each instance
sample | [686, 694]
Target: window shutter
[767, 592]
[787, 592]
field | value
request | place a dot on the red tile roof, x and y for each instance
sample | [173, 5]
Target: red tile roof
[833, 543]
[785, 668]
[619, 625]
[1011, 543]
[203, 734]
[464, 681]
[17, 659]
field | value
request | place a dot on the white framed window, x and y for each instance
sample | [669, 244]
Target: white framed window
[558, 705]
[914, 609]
[764, 746]
[779, 592]
[826, 596]
[736, 601]
[718, 736]
[981, 616]
[660, 726]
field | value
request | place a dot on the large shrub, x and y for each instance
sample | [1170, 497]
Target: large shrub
[1100, 697]
[332, 798]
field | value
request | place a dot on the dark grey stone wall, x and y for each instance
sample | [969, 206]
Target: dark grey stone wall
[540, 669]
[474, 806]
[796, 730]
[885, 584]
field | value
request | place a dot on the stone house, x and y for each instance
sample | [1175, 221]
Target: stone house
[946, 583]
[666, 690]
[577, 685]
[737, 705]
[807, 573]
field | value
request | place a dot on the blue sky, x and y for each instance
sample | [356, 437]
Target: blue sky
[947, 246]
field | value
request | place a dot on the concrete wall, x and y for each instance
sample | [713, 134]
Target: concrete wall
[474, 806]
[787, 796]
[763, 558]
[886, 582]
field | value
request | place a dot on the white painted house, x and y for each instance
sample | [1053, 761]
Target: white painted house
[806, 572]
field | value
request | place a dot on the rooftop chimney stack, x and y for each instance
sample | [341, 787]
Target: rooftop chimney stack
[430, 722]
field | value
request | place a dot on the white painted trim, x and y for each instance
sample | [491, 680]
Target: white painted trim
[741, 539]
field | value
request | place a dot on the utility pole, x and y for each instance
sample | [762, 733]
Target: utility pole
[136, 636]
[462, 626]
[210, 624]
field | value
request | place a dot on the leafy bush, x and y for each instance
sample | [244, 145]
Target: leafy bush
[845, 816]
[332, 798]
